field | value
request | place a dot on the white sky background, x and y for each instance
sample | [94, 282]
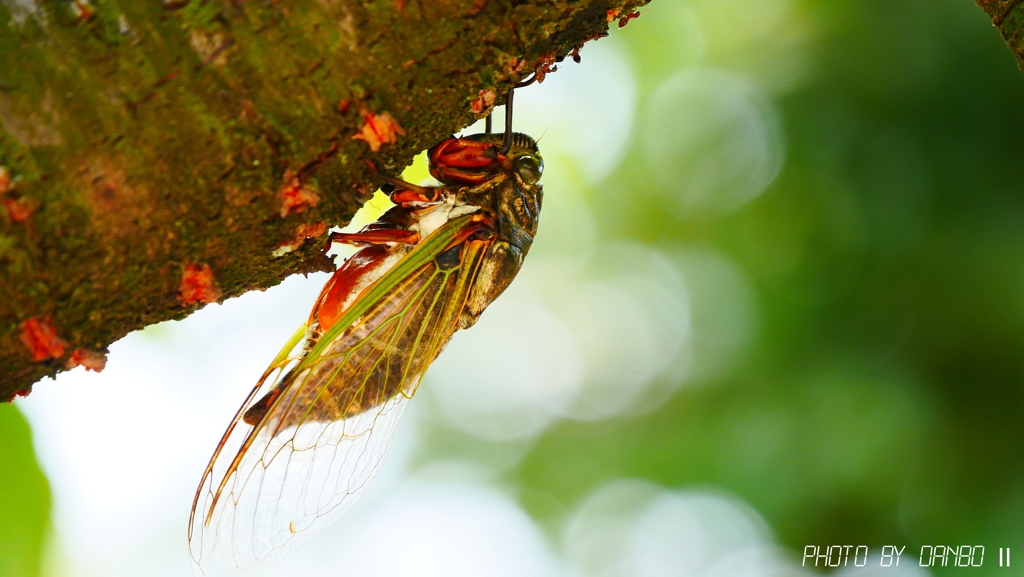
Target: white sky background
[124, 449]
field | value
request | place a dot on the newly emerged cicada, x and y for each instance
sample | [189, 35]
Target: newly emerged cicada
[316, 428]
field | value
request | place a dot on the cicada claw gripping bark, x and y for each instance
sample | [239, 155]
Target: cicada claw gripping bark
[314, 430]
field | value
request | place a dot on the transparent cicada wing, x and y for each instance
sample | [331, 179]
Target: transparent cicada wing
[287, 487]
[320, 441]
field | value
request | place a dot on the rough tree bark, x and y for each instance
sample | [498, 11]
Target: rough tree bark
[1008, 17]
[155, 156]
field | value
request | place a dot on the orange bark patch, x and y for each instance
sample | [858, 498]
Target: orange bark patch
[41, 339]
[19, 393]
[515, 66]
[625, 19]
[18, 209]
[484, 100]
[83, 10]
[303, 232]
[92, 360]
[295, 196]
[197, 285]
[311, 230]
[613, 14]
[546, 67]
[378, 129]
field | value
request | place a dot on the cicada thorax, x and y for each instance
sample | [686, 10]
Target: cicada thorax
[504, 184]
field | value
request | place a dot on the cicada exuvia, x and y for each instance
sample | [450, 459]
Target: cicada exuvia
[316, 427]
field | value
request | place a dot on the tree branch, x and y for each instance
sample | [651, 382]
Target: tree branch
[1008, 17]
[158, 156]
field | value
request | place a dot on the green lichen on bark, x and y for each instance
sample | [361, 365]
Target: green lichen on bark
[1008, 17]
[149, 136]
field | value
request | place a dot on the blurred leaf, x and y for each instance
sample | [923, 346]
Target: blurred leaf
[24, 498]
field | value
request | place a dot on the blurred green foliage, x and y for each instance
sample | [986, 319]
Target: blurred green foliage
[881, 398]
[25, 506]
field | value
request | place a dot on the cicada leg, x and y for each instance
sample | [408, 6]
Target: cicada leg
[538, 76]
[507, 144]
[375, 237]
[405, 193]
[407, 198]
[400, 184]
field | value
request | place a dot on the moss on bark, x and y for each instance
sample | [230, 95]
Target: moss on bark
[140, 138]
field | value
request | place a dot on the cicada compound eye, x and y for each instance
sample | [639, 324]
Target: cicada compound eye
[530, 168]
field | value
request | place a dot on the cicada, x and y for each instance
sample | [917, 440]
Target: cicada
[316, 427]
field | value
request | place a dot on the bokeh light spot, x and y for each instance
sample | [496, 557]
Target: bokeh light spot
[712, 142]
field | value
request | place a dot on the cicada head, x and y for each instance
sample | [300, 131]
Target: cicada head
[477, 158]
